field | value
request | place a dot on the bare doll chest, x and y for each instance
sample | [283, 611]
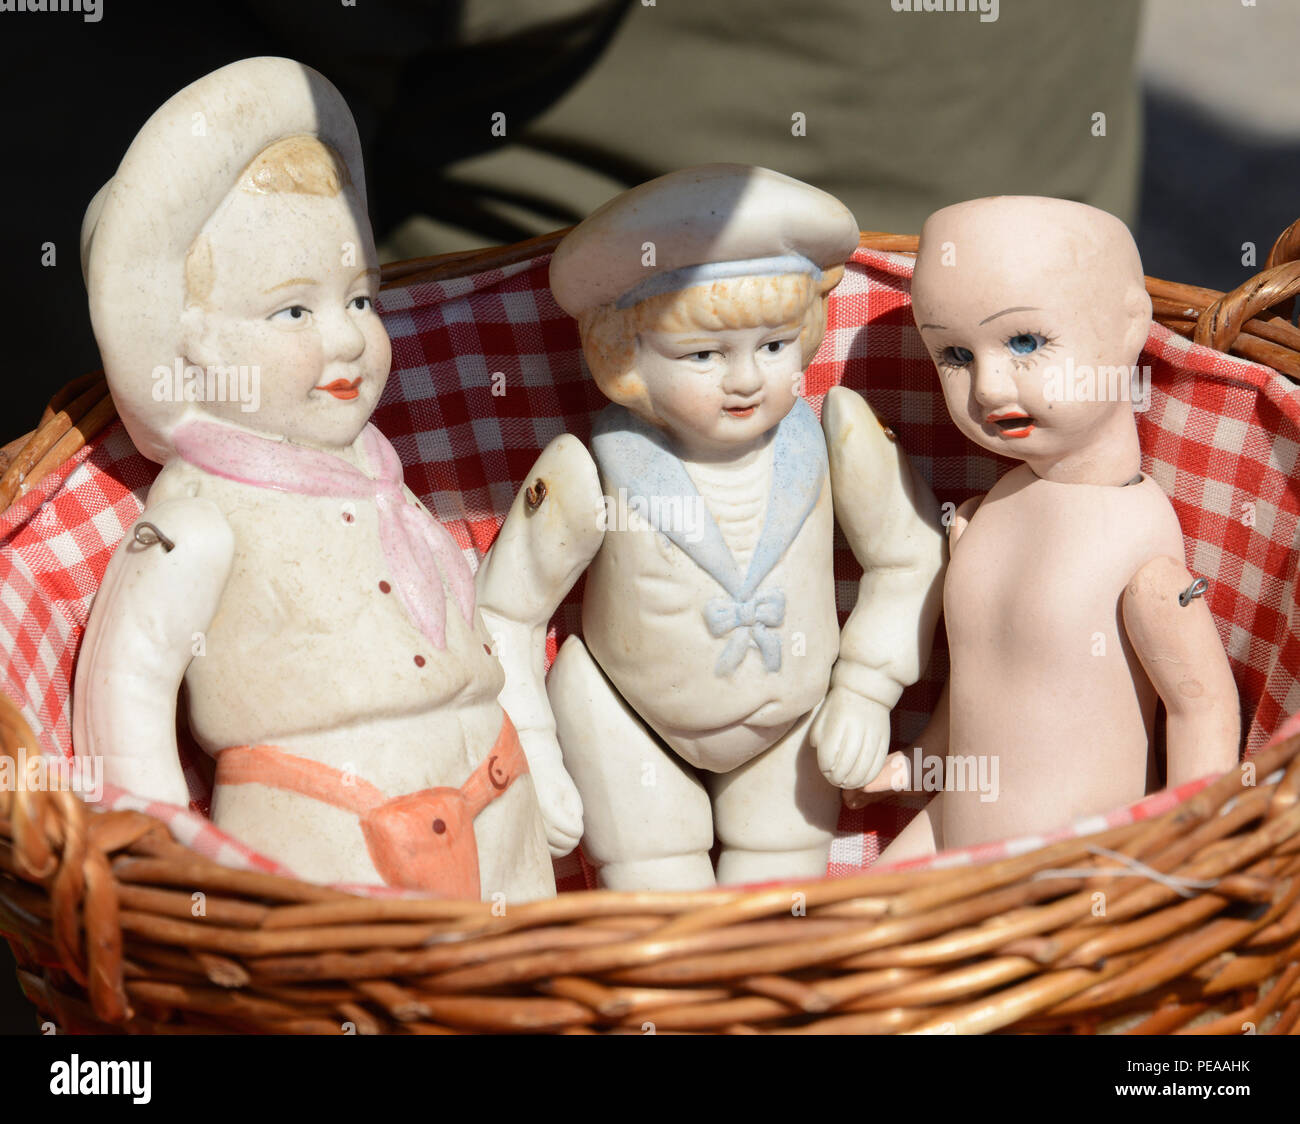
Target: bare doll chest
[1037, 576]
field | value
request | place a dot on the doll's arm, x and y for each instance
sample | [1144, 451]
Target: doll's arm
[553, 530]
[139, 641]
[1182, 655]
[891, 521]
[898, 774]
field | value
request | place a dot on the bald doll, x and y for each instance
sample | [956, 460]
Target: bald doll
[705, 697]
[1062, 596]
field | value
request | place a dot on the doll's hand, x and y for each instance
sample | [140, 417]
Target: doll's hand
[557, 795]
[851, 733]
[896, 776]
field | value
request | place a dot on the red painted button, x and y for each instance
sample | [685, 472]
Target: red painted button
[439, 827]
[419, 661]
[384, 587]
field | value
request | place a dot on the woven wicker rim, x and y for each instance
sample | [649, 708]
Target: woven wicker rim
[101, 912]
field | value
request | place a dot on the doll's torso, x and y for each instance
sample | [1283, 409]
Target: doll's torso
[644, 619]
[312, 652]
[1043, 676]
[311, 635]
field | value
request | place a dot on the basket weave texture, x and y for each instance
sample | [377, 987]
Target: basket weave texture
[101, 908]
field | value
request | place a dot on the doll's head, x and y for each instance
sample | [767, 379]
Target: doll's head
[701, 297]
[283, 279]
[1035, 311]
[716, 364]
[230, 265]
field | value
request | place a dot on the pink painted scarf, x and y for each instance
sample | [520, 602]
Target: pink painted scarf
[421, 554]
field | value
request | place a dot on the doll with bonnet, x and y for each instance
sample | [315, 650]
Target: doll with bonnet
[323, 623]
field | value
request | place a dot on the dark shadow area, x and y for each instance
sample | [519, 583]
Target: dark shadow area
[1206, 190]
[17, 1016]
[74, 94]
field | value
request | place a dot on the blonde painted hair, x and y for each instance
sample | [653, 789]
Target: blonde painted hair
[301, 165]
[609, 333]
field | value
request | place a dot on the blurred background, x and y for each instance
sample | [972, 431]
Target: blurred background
[1182, 117]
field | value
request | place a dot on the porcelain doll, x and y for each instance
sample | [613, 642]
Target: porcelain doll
[1062, 596]
[322, 622]
[696, 701]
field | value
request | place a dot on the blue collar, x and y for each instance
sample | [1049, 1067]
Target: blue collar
[634, 455]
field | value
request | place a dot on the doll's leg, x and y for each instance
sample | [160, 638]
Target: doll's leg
[646, 818]
[775, 815]
[921, 837]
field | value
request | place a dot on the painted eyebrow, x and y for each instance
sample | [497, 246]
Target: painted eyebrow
[288, 284]
[941, 327]
[1006, 311]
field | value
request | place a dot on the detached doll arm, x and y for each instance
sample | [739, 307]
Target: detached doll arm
[891, 521]
[139, 641]
[544, 545]
[1182, 655]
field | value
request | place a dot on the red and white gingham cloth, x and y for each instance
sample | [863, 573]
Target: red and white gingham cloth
[1221, 437]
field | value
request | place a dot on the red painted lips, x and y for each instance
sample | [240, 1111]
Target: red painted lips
[342, 389]
[1012, 423]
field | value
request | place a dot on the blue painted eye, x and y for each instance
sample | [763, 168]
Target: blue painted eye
[1026, 343]
[957, 356]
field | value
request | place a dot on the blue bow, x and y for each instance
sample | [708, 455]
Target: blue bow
[755, 619]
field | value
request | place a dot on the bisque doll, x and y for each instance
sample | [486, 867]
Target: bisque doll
[1069, 608]
[711, 692]
[322, 623]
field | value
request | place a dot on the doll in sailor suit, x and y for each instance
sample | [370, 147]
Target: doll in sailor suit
[322, 622]
[711, 693]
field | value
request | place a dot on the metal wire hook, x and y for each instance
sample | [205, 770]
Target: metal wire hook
[1196, 589]
[151, 529]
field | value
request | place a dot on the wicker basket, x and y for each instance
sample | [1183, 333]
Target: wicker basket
[1199, 928]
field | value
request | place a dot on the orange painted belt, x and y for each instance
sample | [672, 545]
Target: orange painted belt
[421, 841]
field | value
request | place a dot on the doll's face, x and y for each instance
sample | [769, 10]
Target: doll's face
[718, 391]
[997, 370]
[1034, 340]
[293, 285]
